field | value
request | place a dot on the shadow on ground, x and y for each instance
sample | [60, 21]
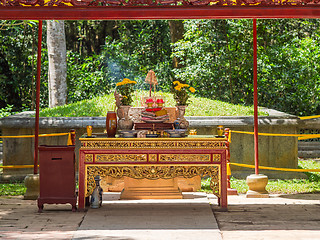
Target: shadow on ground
[272, 214]
[304, 196]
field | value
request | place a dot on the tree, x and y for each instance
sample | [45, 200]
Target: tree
[176, 34]
[57, 70]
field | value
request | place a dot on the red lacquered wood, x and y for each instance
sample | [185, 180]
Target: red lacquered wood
[255, 97]
[36, 128]
[157, 12]
[224, 194]
[81, 192]
[57, 176]
[93, 152]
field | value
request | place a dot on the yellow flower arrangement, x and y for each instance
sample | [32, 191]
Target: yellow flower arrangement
[125, 81]
[125, 88]
[180, 92]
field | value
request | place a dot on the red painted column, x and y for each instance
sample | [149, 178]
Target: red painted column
[255, 97]
[36, 130]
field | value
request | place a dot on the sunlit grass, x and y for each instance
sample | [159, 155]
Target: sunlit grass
[12, 189]
[99, 106]
[290, 186]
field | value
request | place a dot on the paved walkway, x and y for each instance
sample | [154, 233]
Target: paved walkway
[190, 218]
[287, 217]
[279, 217]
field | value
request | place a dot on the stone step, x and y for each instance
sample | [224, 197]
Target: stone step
[309, 154]
[308, 148]
[304, 144]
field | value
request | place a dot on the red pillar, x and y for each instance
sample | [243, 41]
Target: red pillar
[36, 130]
[255, 97]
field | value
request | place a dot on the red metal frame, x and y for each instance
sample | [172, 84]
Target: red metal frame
[144, 13]
[255, 97]
[36, 130]
[155, 9]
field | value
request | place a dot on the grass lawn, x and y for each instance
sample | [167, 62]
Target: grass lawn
[99, 106]
[309, 185]
[12, 189]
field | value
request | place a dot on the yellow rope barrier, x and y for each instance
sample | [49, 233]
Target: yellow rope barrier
[300, 136]
[69, 142]
[277, 169]
[17, 166]
[309, 117]
[40, 135]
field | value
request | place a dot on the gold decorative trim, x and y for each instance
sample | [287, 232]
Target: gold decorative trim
[163, 144]
[152, 157]
[153, 173]
[121, 157]
[216, 157]
[184, 157]
[88, 158]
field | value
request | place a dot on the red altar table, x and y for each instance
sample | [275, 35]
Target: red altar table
[149, 158]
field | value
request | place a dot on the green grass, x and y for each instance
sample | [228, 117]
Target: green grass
[12, 189]
[291, 186]
[99, 106]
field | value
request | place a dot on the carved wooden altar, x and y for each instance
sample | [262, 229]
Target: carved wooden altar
[146, 158]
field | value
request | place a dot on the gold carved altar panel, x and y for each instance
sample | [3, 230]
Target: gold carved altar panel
[152, 159]
[153, 172]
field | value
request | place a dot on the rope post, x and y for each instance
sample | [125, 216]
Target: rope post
[230, 190]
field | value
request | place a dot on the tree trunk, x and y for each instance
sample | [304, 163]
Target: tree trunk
[57, 55]
[176, 33]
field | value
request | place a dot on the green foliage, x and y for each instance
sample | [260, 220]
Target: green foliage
[85, 77]
[311, 164]
[12, 189]
[16, 63]
[217, 58]
[142, 46]
[99, 106]
[7, 111]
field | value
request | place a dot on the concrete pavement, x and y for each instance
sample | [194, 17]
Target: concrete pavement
[294, 217]
[189, 218]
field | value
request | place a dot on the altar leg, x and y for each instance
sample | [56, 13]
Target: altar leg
[81, 193]
[224, 186]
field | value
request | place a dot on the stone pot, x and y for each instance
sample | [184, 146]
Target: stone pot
[32, 183]
[183, 123]
[124, 123]
[257, 185]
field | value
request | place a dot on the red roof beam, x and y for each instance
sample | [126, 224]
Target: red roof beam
[146, 12]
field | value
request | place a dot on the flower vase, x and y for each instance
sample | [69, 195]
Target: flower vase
[111, 124]
[125, 123]
[183, 123]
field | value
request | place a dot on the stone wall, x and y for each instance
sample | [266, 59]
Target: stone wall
[309, 148]
[273, 151]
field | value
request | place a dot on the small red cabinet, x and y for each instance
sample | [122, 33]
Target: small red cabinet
[57, 176]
